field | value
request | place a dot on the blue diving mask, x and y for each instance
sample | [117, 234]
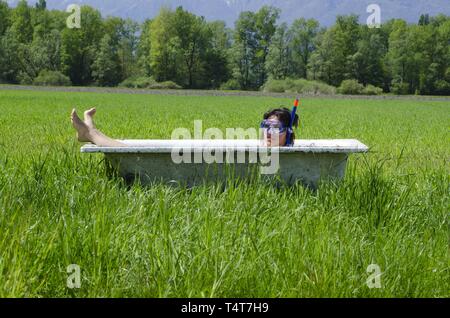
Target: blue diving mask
[273, 126]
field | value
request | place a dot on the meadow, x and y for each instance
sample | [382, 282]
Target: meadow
[249, 239]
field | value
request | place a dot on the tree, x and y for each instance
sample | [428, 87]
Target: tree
[191, 32]
[79, 47]
[183, 49]
[400, 58]
[42, 54]
[128, 46]
[321, 64]
[124, 41]
[164, 60]
[106, 67]
[9, 64]
[21, 22]
[216, 69]
[303, 33]
[442, 56]
[424, 19]
[143, 50]
[423, 41]
[252, 38]
[243, 51]
[367, 63]
[41, 5]
[279, 64]
[265, 24]
[332, 62]
[4, 17]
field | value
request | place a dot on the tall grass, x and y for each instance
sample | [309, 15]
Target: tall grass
[251, 239]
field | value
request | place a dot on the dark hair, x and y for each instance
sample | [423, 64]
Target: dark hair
[284, 116]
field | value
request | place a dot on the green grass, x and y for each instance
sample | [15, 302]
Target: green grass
[251, 239]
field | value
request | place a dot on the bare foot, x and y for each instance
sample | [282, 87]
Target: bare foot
[88, 117]
[81, 127]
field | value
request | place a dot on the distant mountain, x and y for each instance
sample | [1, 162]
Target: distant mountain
[324, 11]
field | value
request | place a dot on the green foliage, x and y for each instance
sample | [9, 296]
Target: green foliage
[43, 53]
[331, 61]
[442, 87]
[302, 33]
[4, 17]
[231, 85]
[148, 82]
[188, 50]
[279, 63]
[400, 88]
[299, 86]
[21, 22]
[419, 56]
[191, 31]
[163, 57]
[252, 39]
[9, 63]
[216, 68]
[79, 47]
[165, 85]
[277, 86]
[367, 64]
[372, 90]
[143, 50]
[266, 25]
[137, 82]
[51, 78]
[124, 44]
[106, 67]
[351, 87]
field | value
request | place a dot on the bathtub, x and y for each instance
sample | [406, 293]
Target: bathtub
[192, 162]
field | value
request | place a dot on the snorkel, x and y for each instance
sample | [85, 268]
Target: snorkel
[290, 131]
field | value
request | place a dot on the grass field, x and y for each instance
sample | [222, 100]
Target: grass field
[251, 239]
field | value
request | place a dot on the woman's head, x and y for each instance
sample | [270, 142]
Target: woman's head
[275, 126]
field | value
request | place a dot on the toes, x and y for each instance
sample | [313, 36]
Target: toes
[76, 119]
[90, 112]
[73, 114]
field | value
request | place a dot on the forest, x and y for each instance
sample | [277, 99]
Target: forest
[177, 49]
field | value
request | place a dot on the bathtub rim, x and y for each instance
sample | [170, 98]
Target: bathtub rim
[138, 146]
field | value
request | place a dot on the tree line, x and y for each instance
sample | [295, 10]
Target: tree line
[186, 49]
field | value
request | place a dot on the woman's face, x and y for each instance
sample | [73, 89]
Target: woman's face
[274, 139]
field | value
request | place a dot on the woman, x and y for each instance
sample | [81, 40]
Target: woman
[275, 127]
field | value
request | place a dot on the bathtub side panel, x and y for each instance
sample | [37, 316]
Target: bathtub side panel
[154, 167]
[311, 168]
[308, 168]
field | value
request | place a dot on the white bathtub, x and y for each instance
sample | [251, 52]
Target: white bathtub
[194, 161]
